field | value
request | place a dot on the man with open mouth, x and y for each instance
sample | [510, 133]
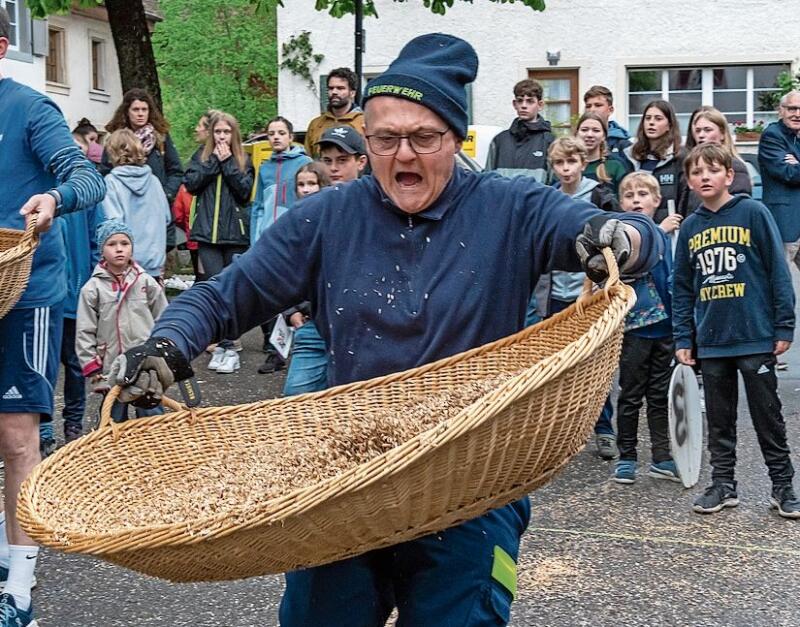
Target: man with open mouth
[416, 262]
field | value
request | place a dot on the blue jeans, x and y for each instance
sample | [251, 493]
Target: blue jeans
[119, 411]
[603, 426]
[531, 314]
[308, 368]
[445, 579]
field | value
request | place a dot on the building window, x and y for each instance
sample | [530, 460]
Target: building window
[560, 91]
[744, 93]
[13, 9]
[98, 64]
[54, 66]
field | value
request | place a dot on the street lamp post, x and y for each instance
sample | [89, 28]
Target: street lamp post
[359, 40]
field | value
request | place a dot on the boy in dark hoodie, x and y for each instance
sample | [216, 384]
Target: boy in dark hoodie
[522, 149]
[733, 300]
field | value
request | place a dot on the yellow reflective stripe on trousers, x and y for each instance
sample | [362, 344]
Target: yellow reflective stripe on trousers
[215, 224]
[504, 571]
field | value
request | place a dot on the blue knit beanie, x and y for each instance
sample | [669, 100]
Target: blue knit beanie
[432, 70]
[112, 227]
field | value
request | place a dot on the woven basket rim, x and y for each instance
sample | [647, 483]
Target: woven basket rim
[301, 500]
[26, 245]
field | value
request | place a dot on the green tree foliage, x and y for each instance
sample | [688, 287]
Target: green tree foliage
[340, 8]
[42, 8]
[216, 55]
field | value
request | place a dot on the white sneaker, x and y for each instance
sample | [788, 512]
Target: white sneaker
[176, 283]
[217, 357]
[230, 362]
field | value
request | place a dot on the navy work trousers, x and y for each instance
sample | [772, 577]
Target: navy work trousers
[444, 579]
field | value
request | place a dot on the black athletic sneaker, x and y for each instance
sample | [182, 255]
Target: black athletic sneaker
[273, 363]
[716, 497]
[784, 500]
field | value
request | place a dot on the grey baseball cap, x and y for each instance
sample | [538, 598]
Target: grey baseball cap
[345, 137]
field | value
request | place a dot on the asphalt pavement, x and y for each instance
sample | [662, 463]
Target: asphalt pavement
[597, 553]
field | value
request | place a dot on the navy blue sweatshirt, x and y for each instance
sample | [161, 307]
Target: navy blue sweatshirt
[732, 293]
[391, 291]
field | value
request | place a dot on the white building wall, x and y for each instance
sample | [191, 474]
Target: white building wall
[75, 96]
[28, 73]
[600, 37]
[77, 99]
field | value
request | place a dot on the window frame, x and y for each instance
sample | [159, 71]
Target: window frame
[101, 84]
[15, 22]
[707, 89]
[573, 76]
[22, 50]
[59, 43]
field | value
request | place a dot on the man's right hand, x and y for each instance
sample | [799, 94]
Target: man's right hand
[45, 206]
[145, 371]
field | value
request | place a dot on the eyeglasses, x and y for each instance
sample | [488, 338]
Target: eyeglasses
[421, 142]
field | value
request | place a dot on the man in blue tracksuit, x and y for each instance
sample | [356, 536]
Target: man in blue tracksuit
[419, 261]
[42, 172]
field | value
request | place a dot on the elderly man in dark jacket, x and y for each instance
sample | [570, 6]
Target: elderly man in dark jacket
[779, 158]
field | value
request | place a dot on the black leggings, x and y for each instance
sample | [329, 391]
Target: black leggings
[216, 257]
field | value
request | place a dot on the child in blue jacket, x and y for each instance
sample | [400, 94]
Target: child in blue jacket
[645, 365]
[734, 301]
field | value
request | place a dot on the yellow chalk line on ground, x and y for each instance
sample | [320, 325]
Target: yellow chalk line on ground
[750, 548]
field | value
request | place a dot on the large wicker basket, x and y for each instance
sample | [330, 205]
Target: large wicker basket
[510, 441]
[16, 254]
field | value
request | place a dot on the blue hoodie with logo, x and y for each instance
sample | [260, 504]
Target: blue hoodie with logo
[733, 293]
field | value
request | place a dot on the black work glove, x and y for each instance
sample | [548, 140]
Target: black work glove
[602, 231]
[145, 371]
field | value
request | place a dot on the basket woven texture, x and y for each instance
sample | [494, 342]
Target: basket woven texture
[16, 255]
[511, 440]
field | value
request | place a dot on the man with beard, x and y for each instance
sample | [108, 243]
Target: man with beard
[342, 109]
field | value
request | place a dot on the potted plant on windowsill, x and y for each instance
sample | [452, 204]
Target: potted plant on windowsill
[746, 133]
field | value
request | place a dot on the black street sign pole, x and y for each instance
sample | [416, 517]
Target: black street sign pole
[359, 36]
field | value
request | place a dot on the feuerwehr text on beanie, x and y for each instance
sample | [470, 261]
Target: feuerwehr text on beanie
[432, 70]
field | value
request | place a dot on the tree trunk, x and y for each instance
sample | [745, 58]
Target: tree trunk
[137, 63]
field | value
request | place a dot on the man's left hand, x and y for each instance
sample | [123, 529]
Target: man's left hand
[602, 231]
[45, 206]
